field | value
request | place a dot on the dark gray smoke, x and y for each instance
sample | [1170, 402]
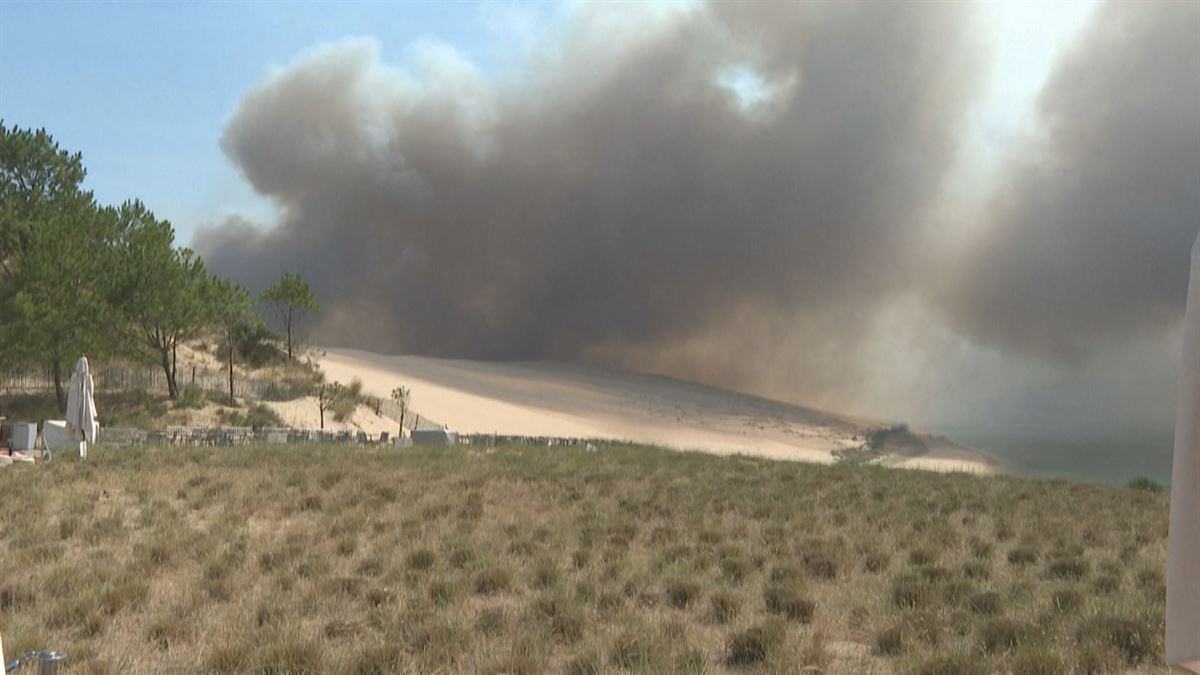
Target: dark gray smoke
[616, 201]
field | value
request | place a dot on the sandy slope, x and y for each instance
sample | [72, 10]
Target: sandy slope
[304, 413]
[553, 399]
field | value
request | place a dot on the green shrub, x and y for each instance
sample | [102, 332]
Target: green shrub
[256, 416]
[257, 346]
[1145, 484]
[191, 398]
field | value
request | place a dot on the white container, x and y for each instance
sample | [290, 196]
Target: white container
[403, 442]
[434, 437]
[55, 436]
[24, 436]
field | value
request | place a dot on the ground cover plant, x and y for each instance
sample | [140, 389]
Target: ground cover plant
[522, 560]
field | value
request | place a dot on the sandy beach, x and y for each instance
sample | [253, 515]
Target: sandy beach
[554, 399]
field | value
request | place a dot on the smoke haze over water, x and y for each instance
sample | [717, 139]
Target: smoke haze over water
[617, 201]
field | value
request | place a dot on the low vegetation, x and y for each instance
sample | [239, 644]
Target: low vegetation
[523, 560]
[150, 410]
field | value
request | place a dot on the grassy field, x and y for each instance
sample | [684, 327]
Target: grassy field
[525, 560]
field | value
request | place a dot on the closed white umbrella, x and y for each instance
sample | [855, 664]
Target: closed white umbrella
[81, 407]
[1183, 552]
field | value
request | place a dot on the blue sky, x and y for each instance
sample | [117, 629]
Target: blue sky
[144, 89]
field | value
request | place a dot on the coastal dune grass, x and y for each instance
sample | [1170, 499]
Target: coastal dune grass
[340, 559]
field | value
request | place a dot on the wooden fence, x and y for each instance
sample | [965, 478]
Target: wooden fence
[233, 436]
[145, 378]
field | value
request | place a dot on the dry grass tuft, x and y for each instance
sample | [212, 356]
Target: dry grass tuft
[530, 560]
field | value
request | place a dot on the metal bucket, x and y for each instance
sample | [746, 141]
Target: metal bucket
[46, 661]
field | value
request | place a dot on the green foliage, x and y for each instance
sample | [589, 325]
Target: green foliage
[56, 272]
[228, 305]
[402, 396]
[327, 395]
[340, 399]
[191, 398]
[78, 278]
[38, 180]
[257, 416]
[166, 292]
[256, 345]
[290, 297]
[343, 406]
[1145, 484]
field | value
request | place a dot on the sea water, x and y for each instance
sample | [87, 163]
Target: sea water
[1110, 460]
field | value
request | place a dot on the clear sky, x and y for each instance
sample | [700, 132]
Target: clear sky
[144, 89]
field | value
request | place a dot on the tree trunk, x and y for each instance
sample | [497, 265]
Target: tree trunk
[321, 406]
[172, 388]
[60, 395]
[402, 411]
[289, 335]
[232, 401]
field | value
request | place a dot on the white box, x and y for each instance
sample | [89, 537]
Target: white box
[24, 436]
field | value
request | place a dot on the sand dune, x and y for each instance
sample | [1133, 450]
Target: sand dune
[552, 399]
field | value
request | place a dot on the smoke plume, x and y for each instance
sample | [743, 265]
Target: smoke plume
[1090, 229]
[730, 192]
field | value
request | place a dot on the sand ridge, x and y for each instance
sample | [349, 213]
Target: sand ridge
[554, 399]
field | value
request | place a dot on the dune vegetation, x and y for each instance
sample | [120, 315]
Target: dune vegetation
[524, 560]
